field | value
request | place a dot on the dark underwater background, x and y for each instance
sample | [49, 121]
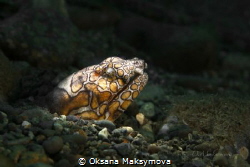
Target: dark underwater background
[194, 109]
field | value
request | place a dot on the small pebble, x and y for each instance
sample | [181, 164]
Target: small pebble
[39, 165]
[31, 135]
[36, 148]
[58, 126]
[147, 131]
[198, 162]
[154, 156]
[53, 145]
[61, 117]
[48, 132]
[46, 124]
[26, 124]
[148, 109]
[237, 160]
[123, 149]
[220, 159]
[172, 119]
[110, 151]
[40, 138]
[152, 148]
[6, 161]
[103, 146]
[64, 163]
[72, 118]
[105, 123]
[16, 151]
[12, 126]
[3, 120]
[23, 140]
[243, 151]
[30, 158]
[78, 139]
[128, 129]
[140, 118]
[104, 133]
[122, 131]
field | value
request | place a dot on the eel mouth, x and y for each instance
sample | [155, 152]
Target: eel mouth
[79, 111]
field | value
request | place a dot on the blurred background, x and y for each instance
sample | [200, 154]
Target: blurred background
[198, 56]
[199, 45]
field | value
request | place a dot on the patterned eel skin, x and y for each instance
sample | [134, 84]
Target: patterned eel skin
[102, 91]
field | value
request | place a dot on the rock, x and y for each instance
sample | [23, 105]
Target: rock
[130, 121]
[53, 145]
[237, 160]
[36, 148]
[9, 110]
[154, 156]
[138, 139]
[243, 151]
[77, 139]
[105, 123]
[3, 120]
[123, 149]
[58, 126]
[12, 127]
[141, 155]
[23, 140]
[103, 134]
[220, 159]
[30, 157]
[63, 162]
[128, 129]
[48, 132]
[60, 117]
[163, 132]
[72, 118]
[148, 110]
[16, 151]
[26, 124]
[140, 118]
[147, 131]
[40, 138]
[31, 135]
[103, 146]
[197, 162]
[30, 47]
[39, 165]
[152, 149]
[46, 124]
[109, 152]
[122, 131]
[209, 147]
[92, 129]
[6, 161]
[171, 130]
[172, 119]
[9, 77]
[40, 115]
[119, 132]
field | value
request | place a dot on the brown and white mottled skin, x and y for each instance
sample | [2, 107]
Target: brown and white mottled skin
[102, 91]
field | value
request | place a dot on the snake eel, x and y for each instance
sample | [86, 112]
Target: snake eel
[102, 91]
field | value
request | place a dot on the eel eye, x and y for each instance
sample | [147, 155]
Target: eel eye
[110, 72]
